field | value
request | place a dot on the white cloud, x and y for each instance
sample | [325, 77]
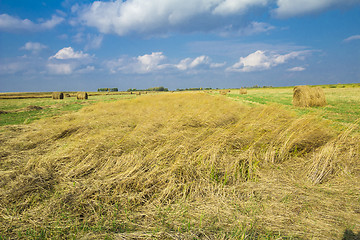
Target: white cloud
[217, 65]
[261, 60]
[189, 63]
[162, 16]
[60, 68]
[67, 61]
[149, 62]
[142, 64]
[352, 38]
[250, 29]
[235, 6]
[13, 24]
[69, 53]
[257, 27]
[156, 61]
[34, 47]
[156, 17]
[290, 8]
[296, 69]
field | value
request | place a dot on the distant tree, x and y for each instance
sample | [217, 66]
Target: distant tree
[108, 90]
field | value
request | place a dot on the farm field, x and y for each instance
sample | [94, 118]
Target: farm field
[22, 108]
[181, 166]
[342, 108]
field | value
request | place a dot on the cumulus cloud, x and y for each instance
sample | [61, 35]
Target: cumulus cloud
[67, 61]
[149, 62]
[262, 60]
[69, 53]
[296, 69]
[352, 38]
[142, 64]
[189, 63]
[164, 16]
[291, 8]
[34, 47]
[12, 24]
[156, 61]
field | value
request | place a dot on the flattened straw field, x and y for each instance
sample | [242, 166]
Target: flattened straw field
[179, 166]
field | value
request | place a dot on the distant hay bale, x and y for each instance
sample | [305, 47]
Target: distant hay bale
[67, 95]
[242, 91]
[224, 92]
[57, 95]
[138, 93]
[82, 95]
[305, 96]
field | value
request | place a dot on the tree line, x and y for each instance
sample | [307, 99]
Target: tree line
[108, 89]
[154, 89]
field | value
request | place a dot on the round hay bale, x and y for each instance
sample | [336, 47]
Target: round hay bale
[67, 95]
[82, 95]
[305, 96]
[138, 93]
[242, 91]
[223, 92]
[57, 95]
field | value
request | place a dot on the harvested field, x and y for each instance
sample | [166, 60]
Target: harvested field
[179, 166]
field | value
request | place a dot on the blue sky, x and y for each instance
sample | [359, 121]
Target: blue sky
[84, 45]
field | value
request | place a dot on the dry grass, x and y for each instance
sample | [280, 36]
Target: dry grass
[305, 96]
[179, 166]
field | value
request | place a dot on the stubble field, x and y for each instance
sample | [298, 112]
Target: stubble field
[181, 166]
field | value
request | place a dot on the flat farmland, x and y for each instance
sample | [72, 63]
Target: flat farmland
[20, 108]
[189, 165]
[343, 103]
